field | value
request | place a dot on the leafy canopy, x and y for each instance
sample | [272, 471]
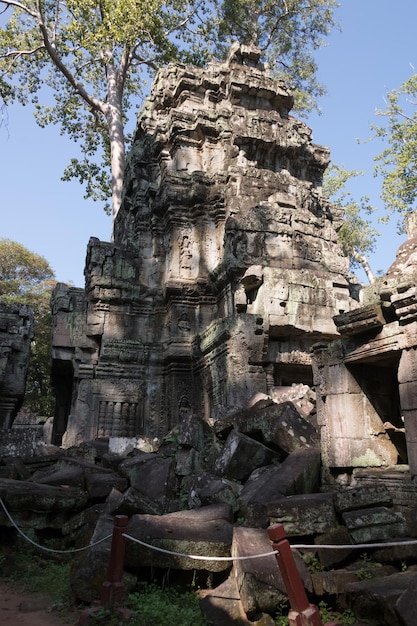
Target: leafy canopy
[397, 163]
[357, 236]
[96, 56]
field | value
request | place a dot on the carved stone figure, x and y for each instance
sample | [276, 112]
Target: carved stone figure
[16, 334]
[224, 269]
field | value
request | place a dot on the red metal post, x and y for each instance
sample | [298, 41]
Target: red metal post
[113, 588]
[302, 613]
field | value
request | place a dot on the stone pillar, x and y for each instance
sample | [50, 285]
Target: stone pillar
[352, 433]
[407, 379]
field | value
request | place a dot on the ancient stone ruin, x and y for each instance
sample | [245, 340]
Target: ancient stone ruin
[221, 371]
[16, 333]
[224, 270]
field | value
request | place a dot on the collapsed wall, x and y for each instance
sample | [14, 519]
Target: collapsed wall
[224, 270]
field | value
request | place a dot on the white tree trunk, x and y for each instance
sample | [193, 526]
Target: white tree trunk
[365, 266]
[116, 136]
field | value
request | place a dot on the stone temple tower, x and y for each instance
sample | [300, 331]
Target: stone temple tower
[224, 269]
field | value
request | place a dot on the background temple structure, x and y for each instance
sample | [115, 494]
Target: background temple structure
[225, 278]
[224, 269]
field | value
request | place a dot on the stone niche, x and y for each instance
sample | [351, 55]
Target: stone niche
[16, 334]
[366, 381]
[224, 268]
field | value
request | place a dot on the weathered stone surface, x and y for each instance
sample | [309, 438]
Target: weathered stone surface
[376, 599]
[28, 496]
[222, 606]
[300, 515]
[201, 532]
[299, 473]
[152, 489]
[362, 497]
[207, 488]
[224, 268]
[406, 605]
[241, 455]
[338, 536]
[375, 524]
[16, 333]
[100, 484]
[259, 581]
[334, 582]
[278, 424]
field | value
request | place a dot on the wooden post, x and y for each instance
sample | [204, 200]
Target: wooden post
[302, 613]
[113, 588]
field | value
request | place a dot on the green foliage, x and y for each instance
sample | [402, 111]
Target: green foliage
[27, 278]
[346, 618]
[357, 236]
[287, 32]
[397, 162]
[93, 60]
[156, 605]
[36, 571]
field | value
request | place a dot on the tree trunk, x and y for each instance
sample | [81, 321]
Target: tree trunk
[365, 266]
[116, 138]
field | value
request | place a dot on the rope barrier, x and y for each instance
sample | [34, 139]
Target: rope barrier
[198, 557]
[38, 545]
[350, 546]
[297, 546]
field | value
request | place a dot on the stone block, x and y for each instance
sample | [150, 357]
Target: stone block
[375, 525]
[406, 605]
[222, 606]
[199, 532]
[338, 536]
[299, 473]
[259, 581]
[100, 484]
[300, 515]
[208, 489]
[153, 488]
[362, 497]
[241, 455]
[375, 600]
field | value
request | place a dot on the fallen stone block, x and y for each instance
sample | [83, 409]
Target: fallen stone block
[153, 489]
[222, 606]
[198, 532]
[375, 600]
[100, 484]
[375, 524]
[241, 455]
[259, 581]
[279, 424]
[299, 473]
[362, 498]
[406, 605]
[208, 489]
[333, 557]
[300, 515]
[334, 582]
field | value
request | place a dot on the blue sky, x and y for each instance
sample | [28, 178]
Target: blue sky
[371, 56]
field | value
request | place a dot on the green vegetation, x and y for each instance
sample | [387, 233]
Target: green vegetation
[27, 278]
[95, 59]
[397, 162]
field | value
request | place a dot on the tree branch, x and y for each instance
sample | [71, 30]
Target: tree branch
[94, 103]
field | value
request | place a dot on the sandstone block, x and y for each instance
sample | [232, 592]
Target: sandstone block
[307, 514]
[299, 473]
[241, 455]
[362, 497]
[375, 524]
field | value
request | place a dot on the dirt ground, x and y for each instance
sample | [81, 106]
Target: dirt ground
[19, 608]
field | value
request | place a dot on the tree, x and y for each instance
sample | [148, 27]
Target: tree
[357, 236]
[287, 32]
[94, 55]
[27, 278]
[397, 164]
